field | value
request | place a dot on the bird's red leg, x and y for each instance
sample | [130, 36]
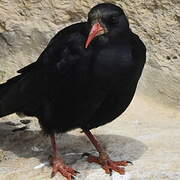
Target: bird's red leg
[104, 160]
[58, 164]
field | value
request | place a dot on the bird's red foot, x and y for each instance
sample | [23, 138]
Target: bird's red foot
[59, 166]
[107, 164]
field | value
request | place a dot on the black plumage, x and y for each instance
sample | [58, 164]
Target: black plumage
[80, 84]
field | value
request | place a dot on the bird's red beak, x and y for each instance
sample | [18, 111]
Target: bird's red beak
[96, 30]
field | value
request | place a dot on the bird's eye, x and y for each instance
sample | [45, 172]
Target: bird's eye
[113, 20]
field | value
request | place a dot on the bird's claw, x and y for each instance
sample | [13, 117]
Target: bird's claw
[59, 166]
[77, 172]
[107, 164]
[129, 162]
[53, 174]
[110, 172]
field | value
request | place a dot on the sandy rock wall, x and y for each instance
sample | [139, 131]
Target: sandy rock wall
[26, 26]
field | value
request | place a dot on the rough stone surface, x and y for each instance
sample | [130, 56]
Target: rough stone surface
[26, 26]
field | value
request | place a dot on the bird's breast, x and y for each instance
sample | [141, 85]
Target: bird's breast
[113, 63]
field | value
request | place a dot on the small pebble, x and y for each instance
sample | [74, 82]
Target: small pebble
[25, 121]
[41, 165]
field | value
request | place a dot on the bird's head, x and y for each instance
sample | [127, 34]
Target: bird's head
[106, 19]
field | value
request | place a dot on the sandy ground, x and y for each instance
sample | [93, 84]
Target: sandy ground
[147, 134]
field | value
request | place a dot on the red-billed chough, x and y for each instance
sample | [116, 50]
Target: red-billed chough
[86, 77]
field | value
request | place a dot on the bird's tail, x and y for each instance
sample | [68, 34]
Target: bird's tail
[22, 92]
[6, 89]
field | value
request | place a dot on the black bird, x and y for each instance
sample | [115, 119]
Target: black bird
[86, 77]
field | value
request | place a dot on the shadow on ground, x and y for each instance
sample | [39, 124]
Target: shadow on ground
[30, 143]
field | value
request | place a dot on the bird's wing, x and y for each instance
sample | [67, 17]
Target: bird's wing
[61, 55]
[56, 48]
